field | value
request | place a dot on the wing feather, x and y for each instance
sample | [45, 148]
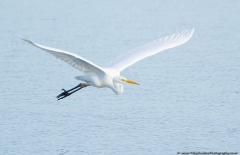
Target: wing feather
[72, 59]
[151, 48]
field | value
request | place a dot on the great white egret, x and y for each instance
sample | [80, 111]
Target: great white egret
[109, 75]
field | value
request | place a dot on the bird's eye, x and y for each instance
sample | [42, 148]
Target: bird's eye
[122, 80]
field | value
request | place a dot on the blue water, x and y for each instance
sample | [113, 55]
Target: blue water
[188, 99]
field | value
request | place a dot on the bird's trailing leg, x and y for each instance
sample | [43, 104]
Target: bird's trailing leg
[69, 92]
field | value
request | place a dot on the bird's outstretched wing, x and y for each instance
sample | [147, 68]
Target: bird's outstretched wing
[72, 59]
[151, 48]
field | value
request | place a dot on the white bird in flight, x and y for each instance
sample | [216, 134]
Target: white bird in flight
[109, 75]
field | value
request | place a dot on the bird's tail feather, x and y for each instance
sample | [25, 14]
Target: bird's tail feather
[80, 78]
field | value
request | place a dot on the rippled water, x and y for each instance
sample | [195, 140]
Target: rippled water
[188, 99]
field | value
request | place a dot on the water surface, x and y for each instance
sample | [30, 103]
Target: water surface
[188, 99]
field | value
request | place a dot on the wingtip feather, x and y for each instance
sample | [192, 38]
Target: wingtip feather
[27, 40]
[192, 31]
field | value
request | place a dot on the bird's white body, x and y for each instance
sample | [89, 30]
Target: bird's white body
[107, 79]
[100, 80]
[109, 76]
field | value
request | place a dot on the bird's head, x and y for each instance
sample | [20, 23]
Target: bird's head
[124, 80]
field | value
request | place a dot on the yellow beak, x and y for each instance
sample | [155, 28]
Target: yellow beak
[131, 82]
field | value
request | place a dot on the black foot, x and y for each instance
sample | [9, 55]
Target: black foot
[67, 93]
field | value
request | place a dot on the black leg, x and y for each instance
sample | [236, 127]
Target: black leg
[74, 87]
[67, 93]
